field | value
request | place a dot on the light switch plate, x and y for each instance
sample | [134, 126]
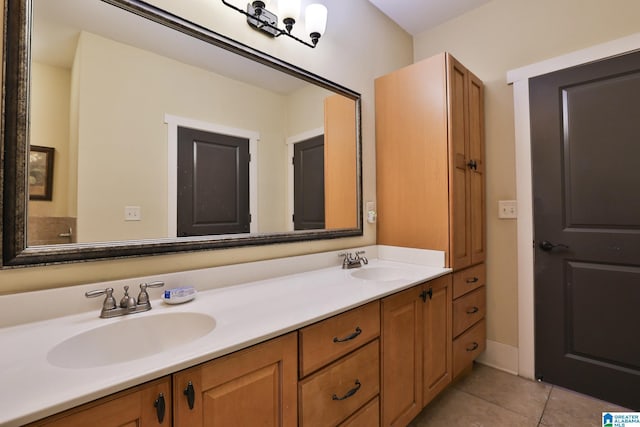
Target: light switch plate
[507, 209]
[132, 213]
[371, 213]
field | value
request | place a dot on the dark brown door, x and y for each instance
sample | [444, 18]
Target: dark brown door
[308, 184]
[585, 133]
[213, 183]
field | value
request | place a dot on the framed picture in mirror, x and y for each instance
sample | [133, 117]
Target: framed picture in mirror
[41, 172]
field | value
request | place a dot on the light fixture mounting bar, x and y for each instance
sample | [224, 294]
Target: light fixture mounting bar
[263, 20]
[265, 25]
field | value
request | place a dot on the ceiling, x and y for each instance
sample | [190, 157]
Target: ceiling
[417, 16]
[57, 25]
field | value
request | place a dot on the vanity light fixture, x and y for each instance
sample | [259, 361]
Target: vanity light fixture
[260, 18]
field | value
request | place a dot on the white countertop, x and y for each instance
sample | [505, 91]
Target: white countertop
[31, 388]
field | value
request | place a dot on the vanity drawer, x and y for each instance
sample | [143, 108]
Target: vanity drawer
[468, 279]
[331, 395]
[324, 342]
[468, 309]
[468, 346]
[367, 416]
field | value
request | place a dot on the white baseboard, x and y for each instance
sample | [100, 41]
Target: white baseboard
[500, 356]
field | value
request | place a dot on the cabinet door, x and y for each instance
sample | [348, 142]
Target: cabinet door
[401, 357]
[476, 174]
[437, 323]
[138, 406]
[255, 386]
[460, 209]
[466, 154]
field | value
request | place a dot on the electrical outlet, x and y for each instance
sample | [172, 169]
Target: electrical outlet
[132, 213]
[507, 209]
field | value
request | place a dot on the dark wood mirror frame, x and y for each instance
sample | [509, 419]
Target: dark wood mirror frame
[14, 148]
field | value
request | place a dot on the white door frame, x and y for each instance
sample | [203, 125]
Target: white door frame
[520, 80]
[173, 122]
[291, 141]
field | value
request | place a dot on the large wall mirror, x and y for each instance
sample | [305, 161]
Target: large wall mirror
[130, 131]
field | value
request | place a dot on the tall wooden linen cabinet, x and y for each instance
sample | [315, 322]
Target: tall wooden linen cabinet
[431, 195]
[430, 160]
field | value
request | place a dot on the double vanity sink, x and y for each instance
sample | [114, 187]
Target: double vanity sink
[130, 339]
[55, 364]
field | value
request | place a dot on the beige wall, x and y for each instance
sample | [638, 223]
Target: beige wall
[50, 92]
[121, 164]
[497, 37]
[305, 110]
[340, 57]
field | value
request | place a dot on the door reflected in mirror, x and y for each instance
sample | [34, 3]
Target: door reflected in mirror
[110, 91]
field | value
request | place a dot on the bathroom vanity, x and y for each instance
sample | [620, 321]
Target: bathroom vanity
[317, 347]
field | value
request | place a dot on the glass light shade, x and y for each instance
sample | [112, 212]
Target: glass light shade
[289, 9]
[315, 16]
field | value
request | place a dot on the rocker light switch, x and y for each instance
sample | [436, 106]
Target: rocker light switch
[132, 213]
[507, 209]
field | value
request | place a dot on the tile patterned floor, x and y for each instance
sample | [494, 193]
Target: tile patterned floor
[489, 397]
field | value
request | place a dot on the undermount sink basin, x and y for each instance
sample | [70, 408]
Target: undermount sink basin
[379, 274]
[130, 338]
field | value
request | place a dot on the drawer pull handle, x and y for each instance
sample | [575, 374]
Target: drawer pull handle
[473, 347]
[159, 404]
[191, 395]
[472, 280]
[349, 393]
[349, 337]
[473, 310]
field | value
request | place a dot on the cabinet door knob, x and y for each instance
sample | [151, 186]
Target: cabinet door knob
[160, 406]
[472, 280]
[473, 310]
[349, 337]
[425, 294]
[191, 394]
[473, 165]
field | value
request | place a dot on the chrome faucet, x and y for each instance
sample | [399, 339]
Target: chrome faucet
[128, 304]
[353, 261]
